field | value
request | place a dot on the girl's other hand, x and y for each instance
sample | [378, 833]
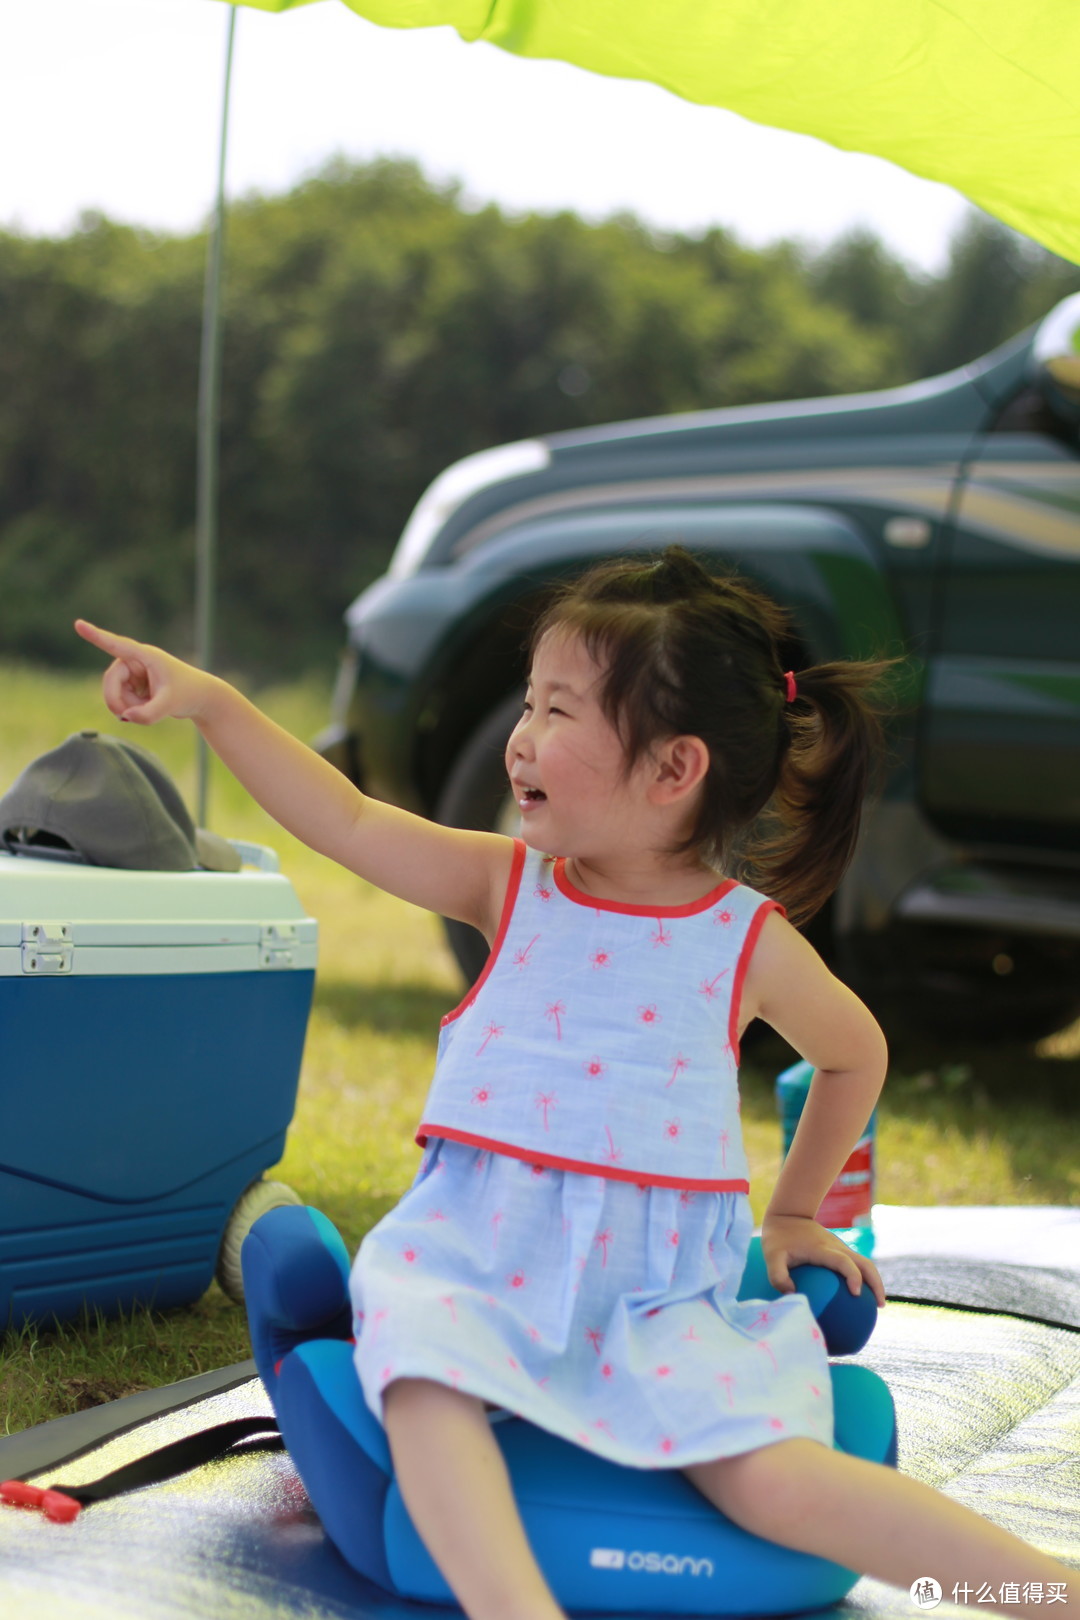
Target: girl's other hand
[797, 1240]
[144, 684]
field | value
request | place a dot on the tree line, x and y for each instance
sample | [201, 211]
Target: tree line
[377, 329]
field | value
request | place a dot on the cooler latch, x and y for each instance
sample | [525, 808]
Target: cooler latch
[46, 948]
[277, 945]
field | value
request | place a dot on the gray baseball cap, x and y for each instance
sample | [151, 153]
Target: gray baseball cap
[109, 803]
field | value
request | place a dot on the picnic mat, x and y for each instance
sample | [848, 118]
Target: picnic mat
[988, 1407]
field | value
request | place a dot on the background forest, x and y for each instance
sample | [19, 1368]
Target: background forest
[376, 329]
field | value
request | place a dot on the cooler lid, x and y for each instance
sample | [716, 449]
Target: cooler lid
[61, 903]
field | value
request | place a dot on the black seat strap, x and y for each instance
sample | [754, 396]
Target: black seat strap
[208, 1445]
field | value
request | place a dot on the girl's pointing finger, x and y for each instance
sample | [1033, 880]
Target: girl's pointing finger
[115, 646]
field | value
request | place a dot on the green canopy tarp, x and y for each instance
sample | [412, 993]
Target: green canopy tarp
[983, 95]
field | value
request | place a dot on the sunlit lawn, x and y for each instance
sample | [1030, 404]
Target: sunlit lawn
[960, 1124]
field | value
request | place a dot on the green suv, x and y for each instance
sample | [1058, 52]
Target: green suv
[940, 520]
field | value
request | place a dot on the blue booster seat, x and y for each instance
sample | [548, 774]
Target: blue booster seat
[608, 1538]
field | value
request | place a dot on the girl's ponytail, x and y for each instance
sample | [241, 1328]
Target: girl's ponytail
[800, 848]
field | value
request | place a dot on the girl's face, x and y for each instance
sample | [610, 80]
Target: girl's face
[566, 761]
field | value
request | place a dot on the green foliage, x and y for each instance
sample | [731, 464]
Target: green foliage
[997, 284]
[375, 330]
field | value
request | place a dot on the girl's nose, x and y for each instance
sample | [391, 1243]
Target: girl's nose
[520, 744]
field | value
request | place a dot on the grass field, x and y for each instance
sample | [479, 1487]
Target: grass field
[960, 1123]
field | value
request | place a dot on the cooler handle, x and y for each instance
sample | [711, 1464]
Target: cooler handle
[260, 855]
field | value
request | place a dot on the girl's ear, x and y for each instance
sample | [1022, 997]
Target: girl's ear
[679, 765]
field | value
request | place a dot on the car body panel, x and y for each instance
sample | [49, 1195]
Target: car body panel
[1001, 741]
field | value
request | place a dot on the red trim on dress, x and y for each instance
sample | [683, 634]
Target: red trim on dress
[551, 1161]
[517, 866]
[691, 909]
[757, 923]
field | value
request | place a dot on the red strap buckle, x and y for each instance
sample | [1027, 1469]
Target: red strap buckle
[55, 1505]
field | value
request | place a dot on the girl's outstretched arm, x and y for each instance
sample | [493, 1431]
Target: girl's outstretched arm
[444, 869]
[789, 986]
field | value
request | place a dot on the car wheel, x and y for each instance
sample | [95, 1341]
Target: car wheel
[476, 795]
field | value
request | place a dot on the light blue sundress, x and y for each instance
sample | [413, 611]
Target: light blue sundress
[574, 1239]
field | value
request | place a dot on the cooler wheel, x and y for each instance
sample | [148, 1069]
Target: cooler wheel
[253, 1202]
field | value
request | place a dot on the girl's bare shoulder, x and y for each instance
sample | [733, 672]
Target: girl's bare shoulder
[791, 987]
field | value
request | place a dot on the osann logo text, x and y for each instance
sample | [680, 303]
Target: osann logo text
[652, 1563]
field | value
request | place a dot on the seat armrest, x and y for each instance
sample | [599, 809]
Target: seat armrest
[296, 1284]
[846, 1319]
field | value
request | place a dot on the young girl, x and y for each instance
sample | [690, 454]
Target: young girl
[572, 1244]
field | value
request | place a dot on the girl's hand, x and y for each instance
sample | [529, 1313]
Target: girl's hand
[144, 684]
[796, 1240]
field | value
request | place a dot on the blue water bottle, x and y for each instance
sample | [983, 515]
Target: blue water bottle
[847, 1208]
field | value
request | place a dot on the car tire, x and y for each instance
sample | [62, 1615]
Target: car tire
[476, 795]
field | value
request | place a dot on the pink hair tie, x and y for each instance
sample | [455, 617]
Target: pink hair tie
[792, 689]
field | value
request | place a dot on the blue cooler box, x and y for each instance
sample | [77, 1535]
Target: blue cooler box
[151, 1031]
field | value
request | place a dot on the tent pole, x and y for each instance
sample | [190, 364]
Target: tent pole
[208, 430]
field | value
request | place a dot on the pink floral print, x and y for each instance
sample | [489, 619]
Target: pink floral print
[727, 1383]
[544, 1101]
[678, 1067]
[708, 987]
[491, 1033]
